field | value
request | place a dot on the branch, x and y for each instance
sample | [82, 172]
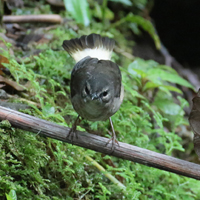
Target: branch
[97, 143]
[51, 18]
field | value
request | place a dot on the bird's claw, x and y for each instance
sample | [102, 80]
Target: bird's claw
[113, 139]
[72, 131]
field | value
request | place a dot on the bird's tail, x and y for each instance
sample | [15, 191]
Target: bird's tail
[92, 45]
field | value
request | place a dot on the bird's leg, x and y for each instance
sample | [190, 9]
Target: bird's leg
[113, 139]
[72, 131]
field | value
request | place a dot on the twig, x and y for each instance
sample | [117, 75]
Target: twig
[108, 175]
[97, 143]
[32, 18]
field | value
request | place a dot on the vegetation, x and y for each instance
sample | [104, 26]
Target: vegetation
[33, 167]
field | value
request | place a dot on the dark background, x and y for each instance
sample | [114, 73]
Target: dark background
[178, 25]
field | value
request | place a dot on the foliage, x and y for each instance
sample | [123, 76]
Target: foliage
[12, 195]
[34, 167]
[79, 9]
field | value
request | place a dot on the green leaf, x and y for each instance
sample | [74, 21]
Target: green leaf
[140, 73]
[172, 88]
[109, 14]
[140, 67]
[48, 109]
[146, 25]
[157, 116]
[152, 85]
[157, 74]
[168, 107]
[12, 195]
[98, 12]
[141, 64]
[79, 9]
[8, 197]
[125, 2]
[134, 93]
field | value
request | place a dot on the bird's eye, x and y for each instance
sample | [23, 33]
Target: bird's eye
[105, 93]
[87, 90]
[105, 96]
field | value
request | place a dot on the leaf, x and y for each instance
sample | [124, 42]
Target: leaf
[157, 74]
[12, 195]
[134, 93]
[152, 85]
[167, 106]
[172, 88]
[140, 67]
[138, 72]
[48, 109]
[98, 12]
[157, 116]
[8, 197]
[125, 2]
[146, 25]
[136, 68]
[79, 9]
[143, 65]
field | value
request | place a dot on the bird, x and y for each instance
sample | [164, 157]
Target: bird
[96, 82]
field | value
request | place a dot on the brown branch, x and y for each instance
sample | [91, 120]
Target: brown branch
[97, 143]
[52, 18]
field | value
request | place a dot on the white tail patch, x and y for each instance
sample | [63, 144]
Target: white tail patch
[99, 53]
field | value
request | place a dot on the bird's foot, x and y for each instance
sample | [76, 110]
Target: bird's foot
[113, 139]
[72, 132]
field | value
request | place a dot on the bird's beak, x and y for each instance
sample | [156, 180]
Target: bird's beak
[94, 96]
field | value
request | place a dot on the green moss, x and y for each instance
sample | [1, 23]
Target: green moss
[41, 168]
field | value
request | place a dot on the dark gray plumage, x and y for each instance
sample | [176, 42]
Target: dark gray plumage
[96, 89]
[91, 81]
